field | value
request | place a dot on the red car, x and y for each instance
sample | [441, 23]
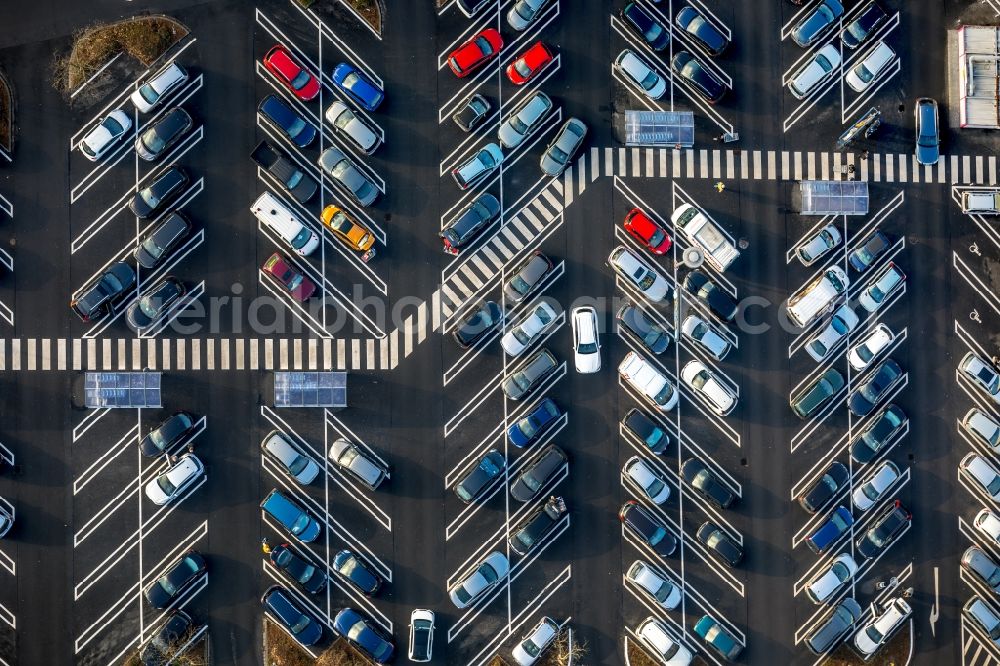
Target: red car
[647, 232]
[297, 284]
[296, 78]
[529, 64]
[475, 53]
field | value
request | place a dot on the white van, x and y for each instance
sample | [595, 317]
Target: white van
[645, 378]
[817, 297]
[984, 202]
[274, 214]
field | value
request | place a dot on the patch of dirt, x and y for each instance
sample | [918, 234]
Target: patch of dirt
[369, 10]
[638, 657]
[342, 654]
[282, 650]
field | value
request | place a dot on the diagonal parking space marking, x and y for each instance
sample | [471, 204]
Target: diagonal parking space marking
[102, 461]
[7, 617]
[89, 421]
[340, 44]
[174, 311]
[293, 306]
[981, 288]
[988, 229]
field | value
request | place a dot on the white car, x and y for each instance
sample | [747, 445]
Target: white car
[586, 340]
[354, 128]
[528, 330]
[524, 13]
[885, 284]
[653, 633]
[483, 578]
[874, 63]
[816, 70]
[876, 632]
[981, 373]
[531, 647]
[645, 378]
[292, 460]
[719, 396]
[652, 484]
[982, 427]
[988, 523]
[819, 244]
[640, 274]
[152, 93]
[700, 331]
[832, 579]
[421, 635]
[980, 471]
[641, 74]
[841, 323]
[524, 120]
[110, 131]
[177, 478]
[867, 350]
[874, 488]
[659, 587]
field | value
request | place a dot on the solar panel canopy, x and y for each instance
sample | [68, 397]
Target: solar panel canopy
[659, 128]
[122, 390]
[832, 197]
[310, 389]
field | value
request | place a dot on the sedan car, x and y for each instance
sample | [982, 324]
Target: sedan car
[982, 473]
[817, 245]
[877, 434]
[863, 26]
[829, 532]
[155, 304]
[157, 244]
[478, 167]
[641, 74]
[97, 299]
[358, 463]
[487, 574]
[529, 375]
[706, 483]
[884, 530]
[421, 635]
[657, 586]
[354, 235]
[841, 323]
[283, 607]
[311, 578]
[180, 576]
[868, 250]
[586, 340]
[528, 429]
[97, 142]
[357, 86]
[720, 544]
[874, 390]
[646, 479]
[158, 87]
[817, 393]
[168, 434]
[480, 479]
[834, 627]
[639, 273]
[286, 121]
[530, 63]
[983, 427]
[642, 228]
[647, 528]
[815, 71]
[280, 62]
[158, 138]
[535, 475]
[878, 60]
[345, 173]
[475, 53]
[825, 488]
[636, 324]
[164, 188]
[831, 579]
[980, 564]
[529, 329]
[524, 120]
[719, 302]
[718, 395]
[699, 331]
[875, 486]
[701, 32]
[356, 572]
[472, 113]
[353, 127]
[645, 429]
[278, 268]
[815, 23]
[638, 19]
[704, 82]
[524, 13]
[563, 147]
[874, 342]
[656, 638]
[928, 141]
[477, 323]
[536, 526]
[528, 277]
[173, 481]
[982, 374]
[475, 217]
[718, 637]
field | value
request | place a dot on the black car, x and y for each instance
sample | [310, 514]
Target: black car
[651, 335]
[539, 523]
[708, 292]
[161, 647]
[155, 141]
[870, 249]
[720, 544]
[701, 31]
[153, 198]
[867, 20]
[826, 487]
[643, 427]
[535, 475]
[880, 432]
[640, 21]
[154, 303]
[158, 243]
[477, 323]
[482, 211]
[353, 569]
[167, 435]
[473, 112]
[97, 299]
[815, 23]
[687, 67]
[311, 578]
[884, 530]
[863, 399]
[365, 635]
[181, 575]
[481, 477]
[705, 482]
[283, 608]
[276, 112]
[646, 527]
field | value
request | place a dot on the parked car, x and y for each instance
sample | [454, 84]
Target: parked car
[928, 141]
[718, 637]
[536, 526]
[475, 53]
[877, 631]
[638, 19]
[176, 580]
[817, 245]
[286, 121]
[641, 74]
[529, 329]
[158, 138]
[563, 147]
[352, 234]
[96, 143]
[356, 572]
[364, 635]
[168, 640]
[645, 429]
[280, 167]
[531, 647]
[878, 60]
[530, 63]
[483, 578]
[871, 392]
[639, 273]
[158, 87]
[480, 479]
[868, 250]
[291, 516]
[663, 591]
[718, 301]
[834, 627]
[980, 202]
[173, 481]
[976, 561]
[478, 167]
[290, 458]
[528, 277]
[987, 522]
[524, 120]
[6, 521]
[874, 342]
[877, 434]
[97, 300]
[356, 85]
[353, 127]
[478, 322]
[834, 527]
[983, 428]
[529, 375]
[829, 338]
[875, 486]
[815, 71]
[654, 635]
[863, 26]
[985, 616]
[168, 434]
[346, 173]
[825, 488]
[648, 380]
[636, 324]
[815, 23]
[702, 79]
[710, 341]
[282, 607]
[524, 13]
[164, 188]
[720, 544]
[719, 397]
[647, 528]
[883, 530]
[535, 475]
[472, 113]
[422, 632]
[294, 282]
[310, 577]
[530, 428]
[280, 62]
[646, 479]
[157, 245]
[470, 222]
[831, 579]
[700, 31]
[982, 473]
[586, 340]
[650, 234]
[155, 304]
[981, 373]
[817, 393]
[706, 483]
[358, 463]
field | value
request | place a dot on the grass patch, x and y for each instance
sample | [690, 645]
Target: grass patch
[638, 657]
[894, 653]
[282, 650]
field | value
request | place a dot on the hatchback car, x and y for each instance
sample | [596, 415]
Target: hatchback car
[641, 74]
[280, 62]
[528, 277]
[718, 637]
[158, 87]
[982, 473]
[158, 138]
[357, 462]
[983, 428]
[874, 343]
[835, 526]
[282, 607]
[877, 434]
[720, 544]
[164, 188]
[815, 23]
[421, 635]
[524, 13]
[486, 575]
[663, 591]
[868, 250]
[477, 323]
[178, 578]
[529, 329]
[656, 638]
[645, 429]
[706, 337]
[173, 481]
[647, 528]
[701, 32]
[278, 268]
[982, 374]
[475, 217]
[719, 302]
[875, 486]
[155, 304]
[310, 577]
[704, 82]
[642, 228]
[829, 338]
[346, 173]
[97, 299]
[478, 167]
[863, 26]
[529, 429]
[586, 340]
[97, 142]
[834, 627]
[877, 631]
[718, 395]
[706, 483]
[815, 71]
[928, 141]
[475, 53]
[354, 235]
[356, 572]
[638, 19]
[884, 530]
[524, 120]
[646, 479]
[291, 516]
[529, 375]
[530, 648]
[636, 324]
[825, 488]
[357, 86]
[353, 127]
[285, 120]
[831, 579]
[168, 640]
[976, 561]
[817, 245]
[472, 113]
[157, 245]
[482, 477]
[568, 139]
[290, 458]
[817, 393]
[878, 60]
[530, 63]
[364, 635]
[639, 273]
[876, 388]
[535, 475]
[536, 526]
[168, 434]
[985, 616]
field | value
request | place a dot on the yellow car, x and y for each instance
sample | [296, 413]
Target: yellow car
[350, 233]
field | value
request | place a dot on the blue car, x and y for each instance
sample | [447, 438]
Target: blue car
[718, 638]
[701, 31]
[281, 607]
[292, 517]
[839, 522]
[283, 118]
[358, 87]
[351, 568]
[815, 23]
[364, 635]
[529, 429]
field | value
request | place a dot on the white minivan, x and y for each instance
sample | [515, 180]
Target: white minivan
[273, 214]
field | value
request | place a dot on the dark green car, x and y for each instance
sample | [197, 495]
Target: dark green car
[824, 387]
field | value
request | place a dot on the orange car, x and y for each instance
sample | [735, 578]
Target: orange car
[350, 233]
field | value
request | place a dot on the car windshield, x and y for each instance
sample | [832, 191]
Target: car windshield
[299, 624]
[528, 426]
[650, 80]
[164, 483]
[149, 196]
[823, 63]
[558, 154]
[874, 634]
[150, 306]
[841, 571]
[349, 566]
[113, 126]
[150, 246]
[300, 524]
[301, 238]
[838, 522]
[865, 353]
[644, 279]
[657, 536]
[864, 73]
[869, 491]
[296, 126]
[531, 482]
[522, 68]
[518, 125]
[655, 437]
[699, 380]
[488, 466]
[653, 32]
[663, 397]
[652, 336]
[663, 592]
[656, 238]
[994, 486]
[153, 141]
[307, 573]
[148, 93]
[876, 293]
[351, 80]
[526, 538]
[531, 648]
[300, 81]
[168, 586]
[519, 285]
[655, 487]
[587, 347]
[865, 254]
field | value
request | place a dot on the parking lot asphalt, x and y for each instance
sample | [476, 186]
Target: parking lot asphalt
[86, 542]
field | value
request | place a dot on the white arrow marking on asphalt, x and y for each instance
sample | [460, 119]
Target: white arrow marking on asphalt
[934, 609]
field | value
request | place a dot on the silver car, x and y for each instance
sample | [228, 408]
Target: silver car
[293, 461]
[350, 458]
[353, 127]
[568, 140]
[982, 427]
[152, 93]
[885, 284]
[982, 565]
[524, 13]
[343, 171]
[487, 574]
[698, 330]
[981, 373]
[818, 245]
[524, 120]
[641, 73]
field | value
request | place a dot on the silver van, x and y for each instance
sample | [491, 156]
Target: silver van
[983, 202]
